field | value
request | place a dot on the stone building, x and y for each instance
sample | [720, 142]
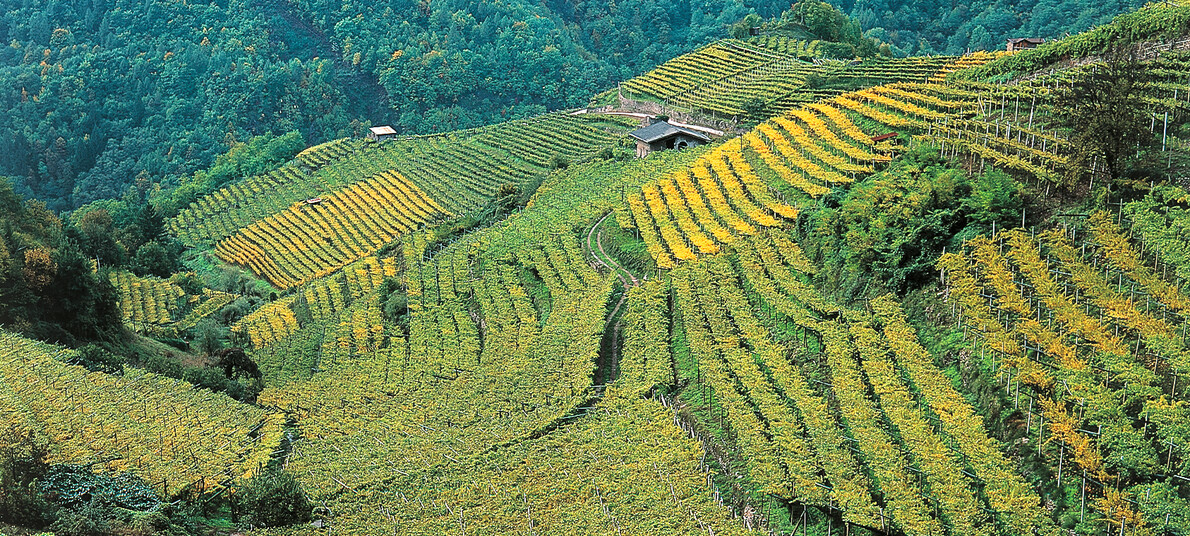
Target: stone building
[658, 135]
[1024, 43]
[381, 133]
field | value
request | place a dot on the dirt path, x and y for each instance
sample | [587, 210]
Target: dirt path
[640, 115]
[595, 244]
[609, 361]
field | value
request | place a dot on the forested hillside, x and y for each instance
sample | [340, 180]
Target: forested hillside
[917, 27]
[99, 94]
[854, 294]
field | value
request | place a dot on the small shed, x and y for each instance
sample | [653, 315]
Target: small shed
[382, 133]
[661, 135]
[1024, 43]
[883, 137]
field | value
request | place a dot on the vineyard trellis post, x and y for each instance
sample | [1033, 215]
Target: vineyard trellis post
[1082, 512]
[1061, 458]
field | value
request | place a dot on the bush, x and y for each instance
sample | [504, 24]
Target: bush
[886, 233]
[189, 282]
[163, 365]
[22, 462]
[76, 487]
[274, 499]
[995, 197]
[236, 363]
[394, 302]
[207, 378]
[236, 310]
[149, 522]
[207, 337]
[232, 280]
[90, 520]
[96, 359]
[155, 259]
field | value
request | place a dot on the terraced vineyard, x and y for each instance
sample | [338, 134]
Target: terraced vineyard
[916, 464]
[920, 460]
[600, 473]
[219, 215]
[173, 435]
[503, 330]
[708, 64]
[1089, 334]
[971, 60]
[288, 348]
[990, 122]
[643, 347]
[346, 199]
[209, 303]
[500, 334]
[743, 185]
[737, 188]
[987, 121]
[160, 307]
[324, 153]
[768, 75]
[778, 81]
[147, 300]
[914, 69]
[799, 48]
[1162, 221]
[308, 241]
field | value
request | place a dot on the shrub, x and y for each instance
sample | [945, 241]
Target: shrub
[274, 499]
[22, 462]
[236, 363]
[96, 359]
[89, 520]
[76, 487]
[207, 337]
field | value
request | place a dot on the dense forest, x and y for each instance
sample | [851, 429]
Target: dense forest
[99, 94]
[917, 27]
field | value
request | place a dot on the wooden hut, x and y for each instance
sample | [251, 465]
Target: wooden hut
[383, 133]
[660, 135]
[1024, 43]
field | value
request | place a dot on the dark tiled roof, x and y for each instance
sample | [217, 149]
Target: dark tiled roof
[662, 130]
[1034, 40]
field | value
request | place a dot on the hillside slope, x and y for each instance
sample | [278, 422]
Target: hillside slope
[930, 28]
[896, 297]
[101, 95]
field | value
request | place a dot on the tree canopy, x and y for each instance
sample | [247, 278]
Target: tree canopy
[102, 95]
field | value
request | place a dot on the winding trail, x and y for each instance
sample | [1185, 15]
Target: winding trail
[642, 115]
[606, 260]
[609, 364]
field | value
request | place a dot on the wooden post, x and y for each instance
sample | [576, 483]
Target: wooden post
[1164, 130]
[1082, 511]
[1061, 458]
[1040, 432]
[1029, 418]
